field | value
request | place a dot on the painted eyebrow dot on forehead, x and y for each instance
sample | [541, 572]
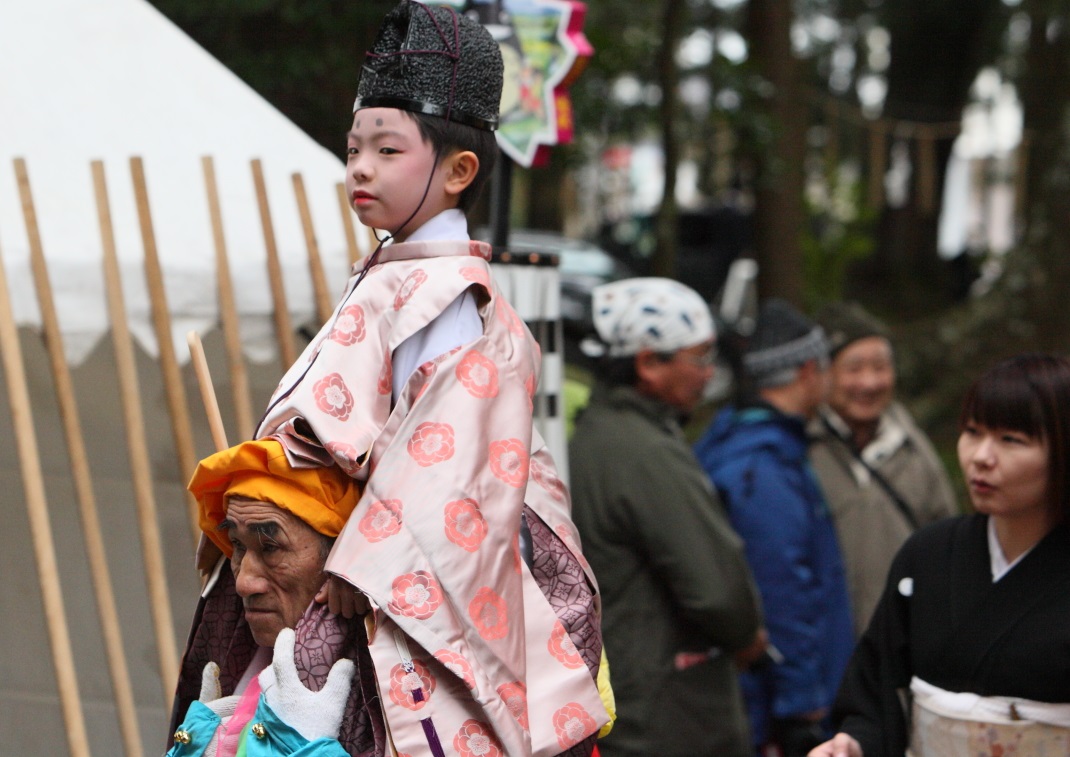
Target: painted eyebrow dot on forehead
[358, 124]
[378, 122]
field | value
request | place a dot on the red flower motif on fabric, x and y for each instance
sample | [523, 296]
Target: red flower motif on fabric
[465, 525]
[573, 724]
[476, 275]
[489, 614]
[562, 648]
[386, 376]
[403, 683]
[348, 326]
[530, 386]
[415, 595]
[333, 397]
[383, 519]
[515, 696]
[411, 283]
[458, 666]
[510, 318]
[475, 739]
[345, 455]
[572, 542]
[545, 478]
[431, 443]
[479, 249]
[478, 374]
[509, 461]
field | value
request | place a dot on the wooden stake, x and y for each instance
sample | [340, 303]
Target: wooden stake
[878, 164]
[161, 318]
[208, 554]
[228, 312]
[83, 482]
[204, 381]
[347, 223]
[283, 327]
[926, 176]
[137, 446]
[315, 263]
[44, 549]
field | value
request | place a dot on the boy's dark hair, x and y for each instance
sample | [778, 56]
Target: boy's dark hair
[449, 137]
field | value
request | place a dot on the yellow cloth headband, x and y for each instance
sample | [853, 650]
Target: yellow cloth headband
[258, 470]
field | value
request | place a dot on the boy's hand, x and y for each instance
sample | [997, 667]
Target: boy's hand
[342, 598]
[840, 746]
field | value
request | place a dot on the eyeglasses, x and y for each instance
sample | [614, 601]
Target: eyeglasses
[702, 360]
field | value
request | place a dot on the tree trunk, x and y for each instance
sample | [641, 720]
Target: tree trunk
[1044, 257]
[926, 85]
[778, 212]
[663, 262]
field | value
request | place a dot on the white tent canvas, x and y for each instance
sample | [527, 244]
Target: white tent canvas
[113, 79]
[108, 80]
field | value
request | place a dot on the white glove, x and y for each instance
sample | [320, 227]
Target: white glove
[312, 714]
[212, 693]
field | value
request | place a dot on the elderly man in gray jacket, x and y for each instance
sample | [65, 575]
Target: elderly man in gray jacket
[680, 609]
[879, 472]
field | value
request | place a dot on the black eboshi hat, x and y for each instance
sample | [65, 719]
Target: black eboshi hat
[428, 59]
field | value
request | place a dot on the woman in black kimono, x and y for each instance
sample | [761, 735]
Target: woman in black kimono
[969, 650]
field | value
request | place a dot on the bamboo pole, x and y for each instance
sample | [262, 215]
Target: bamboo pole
[284, 332]
[347, 223]
[204, 382]
[315, 263]
[137, 447]
[208, 554]
[40, 527]
[83, 482]
[161, 318]
[228, 312]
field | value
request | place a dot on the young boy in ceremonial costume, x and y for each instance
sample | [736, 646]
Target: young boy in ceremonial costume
[481, 610]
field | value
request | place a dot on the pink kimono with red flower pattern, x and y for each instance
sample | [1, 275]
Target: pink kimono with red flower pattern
[463, 640]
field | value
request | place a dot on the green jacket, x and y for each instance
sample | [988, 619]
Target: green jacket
[673, 579]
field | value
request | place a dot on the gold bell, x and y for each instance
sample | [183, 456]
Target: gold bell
[182, 737]
[258, 730]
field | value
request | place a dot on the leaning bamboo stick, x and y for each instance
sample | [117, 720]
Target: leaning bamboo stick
[161, 318]
[137, 447]
[284, 332]
[347, 223]
[228, 311]
[208, 554]
[315, 263]
[83, 482]
[40, 528]
[204, 382]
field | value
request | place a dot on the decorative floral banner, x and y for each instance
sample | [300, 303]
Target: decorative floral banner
[544, 50]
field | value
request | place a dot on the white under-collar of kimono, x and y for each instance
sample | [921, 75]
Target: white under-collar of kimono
[448, 225]
[1000, 566]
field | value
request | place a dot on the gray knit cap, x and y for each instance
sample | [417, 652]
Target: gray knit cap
[846, 323]
[428, 59]
[784, 340]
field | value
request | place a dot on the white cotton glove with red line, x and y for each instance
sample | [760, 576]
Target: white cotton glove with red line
[314, 715]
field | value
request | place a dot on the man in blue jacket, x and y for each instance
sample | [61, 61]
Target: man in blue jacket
[756, 455]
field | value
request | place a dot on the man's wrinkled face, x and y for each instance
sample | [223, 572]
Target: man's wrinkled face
[277, 564]
[863, 380]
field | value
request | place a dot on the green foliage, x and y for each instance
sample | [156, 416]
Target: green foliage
[839, 232]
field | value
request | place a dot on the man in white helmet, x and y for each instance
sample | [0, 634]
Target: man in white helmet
[679, 606]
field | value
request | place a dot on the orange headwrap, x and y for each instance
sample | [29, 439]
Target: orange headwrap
[258, 470]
